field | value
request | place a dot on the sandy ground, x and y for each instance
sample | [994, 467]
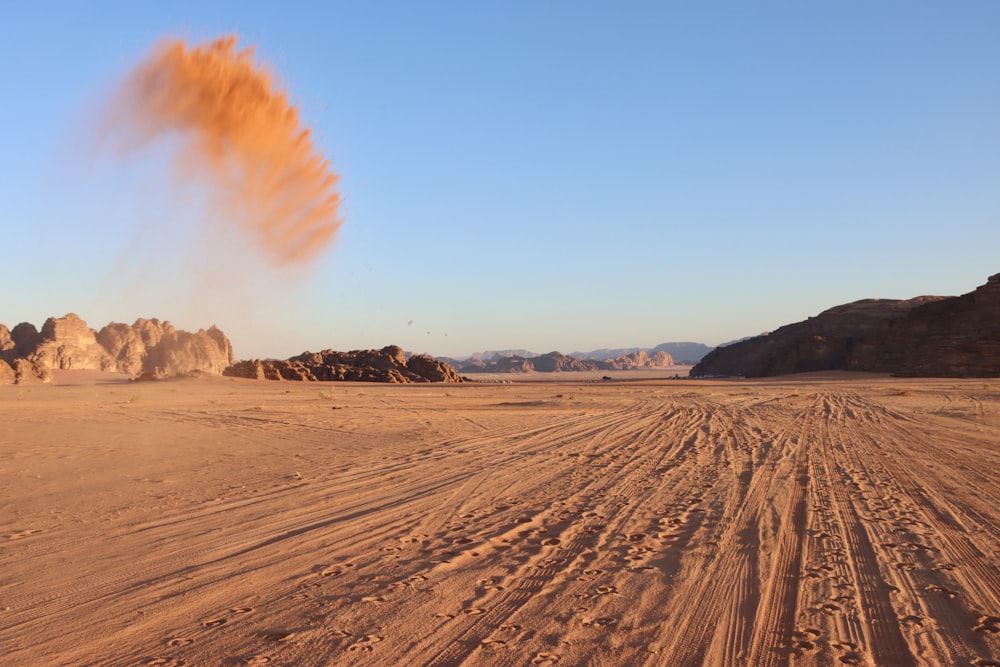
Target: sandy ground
[812, 520]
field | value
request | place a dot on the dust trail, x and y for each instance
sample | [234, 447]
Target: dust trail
[236, 131]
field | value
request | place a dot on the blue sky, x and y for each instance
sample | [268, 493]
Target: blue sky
[541, 175]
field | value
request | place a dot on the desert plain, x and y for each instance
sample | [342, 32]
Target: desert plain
[818, 519]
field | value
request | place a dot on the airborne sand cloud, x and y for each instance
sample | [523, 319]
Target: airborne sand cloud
[237, 132]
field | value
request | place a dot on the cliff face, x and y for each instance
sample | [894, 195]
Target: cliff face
[147, 346]
[386, 365]
[927, 336]
[956, 337]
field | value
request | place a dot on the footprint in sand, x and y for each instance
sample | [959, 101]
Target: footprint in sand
[165, 662]
[179, 641]
[214, 622]
[474, 611]
[950, 594]
[241, 610]
[851, 658]
[987, 624]
[805, 640]
[912, 621]
[366, 644]
[493, 643]
[490, 584]
[545, 658]
[602, 622]
[257, 660]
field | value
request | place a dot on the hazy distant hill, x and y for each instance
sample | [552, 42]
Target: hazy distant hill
[555, 361]
[491, 354]
[681, 353]
[684, 353]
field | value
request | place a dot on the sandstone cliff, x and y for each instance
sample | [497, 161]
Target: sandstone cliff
[386, 365]
[926, 336]
[147, 346]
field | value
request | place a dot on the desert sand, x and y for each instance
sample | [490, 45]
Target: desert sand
[807, 520]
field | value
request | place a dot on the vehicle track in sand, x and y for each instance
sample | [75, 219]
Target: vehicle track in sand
[824, 522]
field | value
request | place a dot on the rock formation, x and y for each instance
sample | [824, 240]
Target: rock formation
[67, 343]
[386, 365]
[7, 375]
[925, 336]
[956, 337]
[641, 359]
[147, 346]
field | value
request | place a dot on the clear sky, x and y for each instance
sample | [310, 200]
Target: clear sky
[541, 175]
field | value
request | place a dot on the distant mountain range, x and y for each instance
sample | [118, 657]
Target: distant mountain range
[682, 353]
[664, 355]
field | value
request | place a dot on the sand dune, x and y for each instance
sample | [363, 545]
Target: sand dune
[813, 520]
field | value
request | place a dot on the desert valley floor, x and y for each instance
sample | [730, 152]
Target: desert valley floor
[808, 520]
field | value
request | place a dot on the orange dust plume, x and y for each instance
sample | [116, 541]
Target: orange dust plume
[239, 130]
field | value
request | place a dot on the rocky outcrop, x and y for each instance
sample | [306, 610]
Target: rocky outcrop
[386, 365]
[29, 371]
[147, 346]
[23, 371]
[925, 336]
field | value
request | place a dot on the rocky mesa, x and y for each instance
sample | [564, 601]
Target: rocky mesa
[390, 364]
[928, 336]
[146, 347]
